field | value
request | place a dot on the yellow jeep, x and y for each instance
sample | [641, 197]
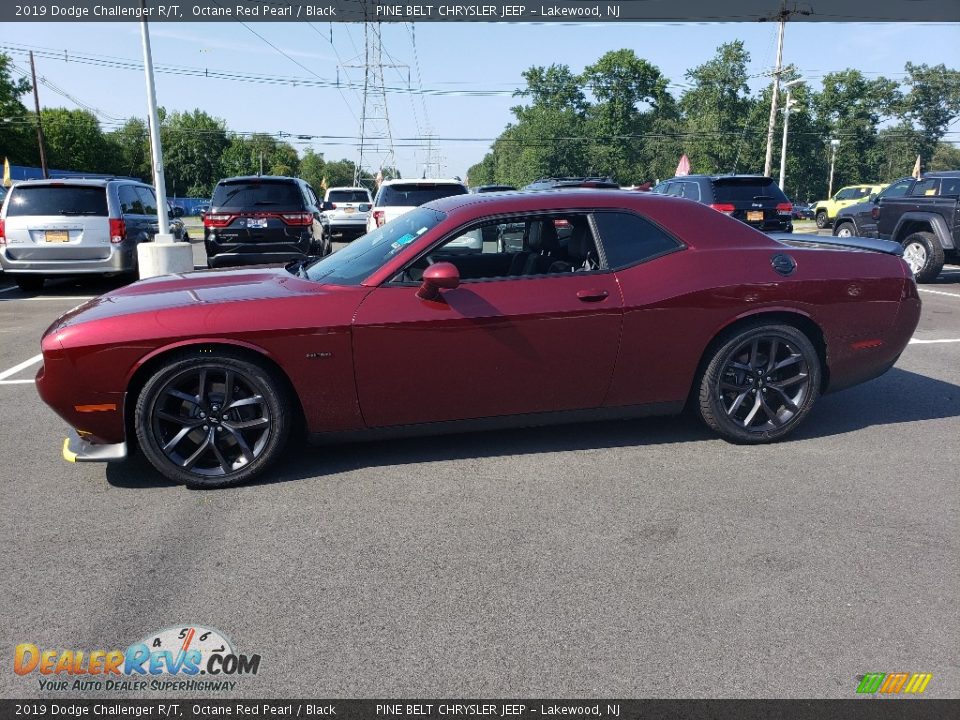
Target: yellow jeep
[825, 211]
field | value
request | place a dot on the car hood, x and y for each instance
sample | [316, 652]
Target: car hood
[167, 292]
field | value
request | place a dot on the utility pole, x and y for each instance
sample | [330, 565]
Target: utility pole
[786, 128]
[834, 144]
[36, 103]
[159, 184]
[782, 17]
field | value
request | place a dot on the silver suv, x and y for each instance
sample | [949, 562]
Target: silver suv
[75, 227]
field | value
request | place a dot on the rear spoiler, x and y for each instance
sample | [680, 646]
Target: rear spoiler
[838, 243]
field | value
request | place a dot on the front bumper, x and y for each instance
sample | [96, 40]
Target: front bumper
[76, 449]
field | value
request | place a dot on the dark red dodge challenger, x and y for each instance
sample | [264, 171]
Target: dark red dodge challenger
[480, 311]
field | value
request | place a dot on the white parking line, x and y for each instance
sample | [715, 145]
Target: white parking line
[17, 382]
[17, 368]
[914, 341]
[939, 292]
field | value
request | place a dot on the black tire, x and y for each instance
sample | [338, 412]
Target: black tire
[29, 283]
[924, 254]
[844, 229]
[822, 220]
[193, 433]
[774, 367]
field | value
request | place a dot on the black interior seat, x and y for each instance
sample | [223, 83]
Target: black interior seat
[580, 247]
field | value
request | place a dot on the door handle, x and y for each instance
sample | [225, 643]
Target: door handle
[592, 295]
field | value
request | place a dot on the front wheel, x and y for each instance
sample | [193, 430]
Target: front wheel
[822, 220]
[212, 421]
[760, 383]
[923, 253]
[844, 230]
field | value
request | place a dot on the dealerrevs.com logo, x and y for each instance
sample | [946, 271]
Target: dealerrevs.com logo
[171, 659]
[894, 683]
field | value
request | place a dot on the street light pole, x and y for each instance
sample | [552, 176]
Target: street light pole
[786, 126]
[768, 161]
[155, 149]
[834, 144]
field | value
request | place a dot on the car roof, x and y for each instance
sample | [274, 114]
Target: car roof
[546, 200]
[423, 181]
[346, 187]
[253, 178]
[942, 174]
[90, 182]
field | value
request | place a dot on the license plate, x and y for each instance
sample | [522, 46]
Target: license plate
[349, 210]
[57, 236]
[755, 216]
[256, 222]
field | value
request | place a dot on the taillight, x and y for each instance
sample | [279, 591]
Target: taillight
[723, 207]
[3, 232]
[217, 220]
[380, 217]
[303, 218]
[784, 208]
[118, 230]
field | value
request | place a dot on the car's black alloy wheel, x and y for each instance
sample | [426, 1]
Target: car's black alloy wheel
[212, 421]
[760, 383]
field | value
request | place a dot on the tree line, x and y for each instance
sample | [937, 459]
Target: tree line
[619, 118]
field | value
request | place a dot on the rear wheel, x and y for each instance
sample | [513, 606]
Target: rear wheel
[29, 283]
[213, 421]
[822, 219]
[760, 383]
[923, 253]
[844, 229]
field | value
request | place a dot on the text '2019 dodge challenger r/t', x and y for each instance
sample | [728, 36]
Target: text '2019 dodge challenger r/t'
[479, 311]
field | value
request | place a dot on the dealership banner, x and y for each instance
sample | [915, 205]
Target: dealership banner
[527, 709]
[481, 11]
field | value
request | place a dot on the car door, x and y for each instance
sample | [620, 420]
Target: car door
[494, 346]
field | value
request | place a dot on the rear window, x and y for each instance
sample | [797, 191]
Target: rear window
[735, 190]
[351, 196]
[412, 194]
[257, 193]
[57, 200]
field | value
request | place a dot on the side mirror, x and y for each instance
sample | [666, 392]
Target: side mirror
[441, 276]
[364, 207]
[872, 198]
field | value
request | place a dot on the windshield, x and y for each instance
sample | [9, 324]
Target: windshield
[252, 193]
[416, 193]
[348, 196]
[732, 190]
[357, 261]
[57, 200]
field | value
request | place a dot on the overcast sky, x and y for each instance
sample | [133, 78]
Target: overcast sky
[474, 66]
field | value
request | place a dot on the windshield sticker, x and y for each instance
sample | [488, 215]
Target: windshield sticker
[404, 240]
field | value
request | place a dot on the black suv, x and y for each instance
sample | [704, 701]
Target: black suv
[558, 183]
[753, 199]
[263, 219]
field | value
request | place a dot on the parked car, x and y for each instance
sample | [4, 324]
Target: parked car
[209, 373]
[201, 209]
[752, 199]
[396, 197]
[922, 215]
[263, 219]
[825, 211]
[75, 227]
[345, 212]
[492, 188]
[559, 183]
[801, 211]
[174, 211]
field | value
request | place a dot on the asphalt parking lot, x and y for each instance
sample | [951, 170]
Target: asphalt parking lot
[620, 559]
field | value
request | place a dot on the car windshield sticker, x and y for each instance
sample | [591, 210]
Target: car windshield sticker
[407, 239]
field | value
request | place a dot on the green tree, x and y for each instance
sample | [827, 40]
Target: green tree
[312, 169]
[931, 103]
[720, 117]
[74, 141]
[193, 144]
[945, 157]
[131, 150]
[17, 127]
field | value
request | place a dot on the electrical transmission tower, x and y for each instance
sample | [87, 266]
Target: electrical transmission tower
[376, 139]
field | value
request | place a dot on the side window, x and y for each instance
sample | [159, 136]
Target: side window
[691, 190]
[897, 189]
[516, 248]
[311, 196]
[148, 200]
[129, 200]
[628, 239]
[846, 194]
[675, 189]
[950, 186]
[925, 187]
